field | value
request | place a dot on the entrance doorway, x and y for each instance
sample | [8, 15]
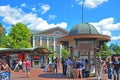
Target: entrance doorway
[36, 63]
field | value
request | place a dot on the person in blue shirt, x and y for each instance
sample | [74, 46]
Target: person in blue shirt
[68, 62]
[79, 66]
[116, 67]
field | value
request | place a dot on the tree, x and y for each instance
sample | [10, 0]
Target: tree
[19, 36]
[65, 53]
[115, 48]
[2, 37]
[105, 52]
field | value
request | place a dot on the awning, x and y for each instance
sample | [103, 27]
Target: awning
[40, 50]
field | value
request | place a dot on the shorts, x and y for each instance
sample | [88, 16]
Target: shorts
[28, 69]
[80, 69]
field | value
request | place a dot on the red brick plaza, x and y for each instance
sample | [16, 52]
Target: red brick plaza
[39, 74]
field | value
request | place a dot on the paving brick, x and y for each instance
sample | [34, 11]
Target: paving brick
[39, 74]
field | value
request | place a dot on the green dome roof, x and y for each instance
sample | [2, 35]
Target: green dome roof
[83, 28]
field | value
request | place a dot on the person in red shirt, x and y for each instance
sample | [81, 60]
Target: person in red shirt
[28, 65]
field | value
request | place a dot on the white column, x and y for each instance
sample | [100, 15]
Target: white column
[41, 40]
[60, 51]
[33, 41]
[54, 45]
[47, 41]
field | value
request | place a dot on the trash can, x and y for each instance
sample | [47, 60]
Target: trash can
[4, 75]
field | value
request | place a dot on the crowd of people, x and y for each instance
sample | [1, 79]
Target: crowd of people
[20, 65]
[79, 68]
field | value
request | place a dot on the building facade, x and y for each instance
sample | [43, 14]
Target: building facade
[49, 38]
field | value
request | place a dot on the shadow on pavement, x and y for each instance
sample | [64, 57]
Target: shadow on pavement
[56, 75]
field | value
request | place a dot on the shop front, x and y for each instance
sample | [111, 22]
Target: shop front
[39, 57]
[35, 55]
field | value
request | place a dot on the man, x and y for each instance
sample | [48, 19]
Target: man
[99, 67]
[28, 65]
[109, 68]
[116, 67]
[56, 65]
[68, 62]
[64, 66]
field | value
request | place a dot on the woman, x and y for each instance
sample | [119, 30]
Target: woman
[24, 65]
[20, 64]
[109, 68]
[104, 67]
[75, 69]
[28, 66]
[53, 67]
[6, 67]
[79, 66]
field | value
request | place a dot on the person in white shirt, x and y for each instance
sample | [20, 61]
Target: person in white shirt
[20, 64]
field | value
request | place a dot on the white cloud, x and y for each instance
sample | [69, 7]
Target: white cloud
[91, 3]
[51, 17]
[44, 8]
[115, 38]
[62, 24]
[34, 9]
[106, 26]
[23, 5]
[105, 32]
[10, 15]
[13, 15]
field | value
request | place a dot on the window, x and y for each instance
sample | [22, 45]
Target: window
[57, 33]
[37, 38]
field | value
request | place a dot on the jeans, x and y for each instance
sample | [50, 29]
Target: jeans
[83, 73]
[110, 73]
[116, 74]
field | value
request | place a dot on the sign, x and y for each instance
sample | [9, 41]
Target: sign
[36, 57]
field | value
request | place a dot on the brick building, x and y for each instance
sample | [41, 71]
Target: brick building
[49, 38]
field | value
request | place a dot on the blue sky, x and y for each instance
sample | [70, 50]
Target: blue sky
[45, 14]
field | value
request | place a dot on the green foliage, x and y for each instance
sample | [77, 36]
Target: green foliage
[2, 37]
[105, 52]
[19, 36]
[50, 49]
[65, 53]
[115, 48]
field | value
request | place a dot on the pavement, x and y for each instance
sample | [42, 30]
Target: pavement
[39, 74]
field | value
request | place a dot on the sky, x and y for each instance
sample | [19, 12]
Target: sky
[45, 14]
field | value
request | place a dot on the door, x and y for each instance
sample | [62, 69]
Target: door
[36, 64]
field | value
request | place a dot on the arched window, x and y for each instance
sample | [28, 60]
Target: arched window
[57, 33]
